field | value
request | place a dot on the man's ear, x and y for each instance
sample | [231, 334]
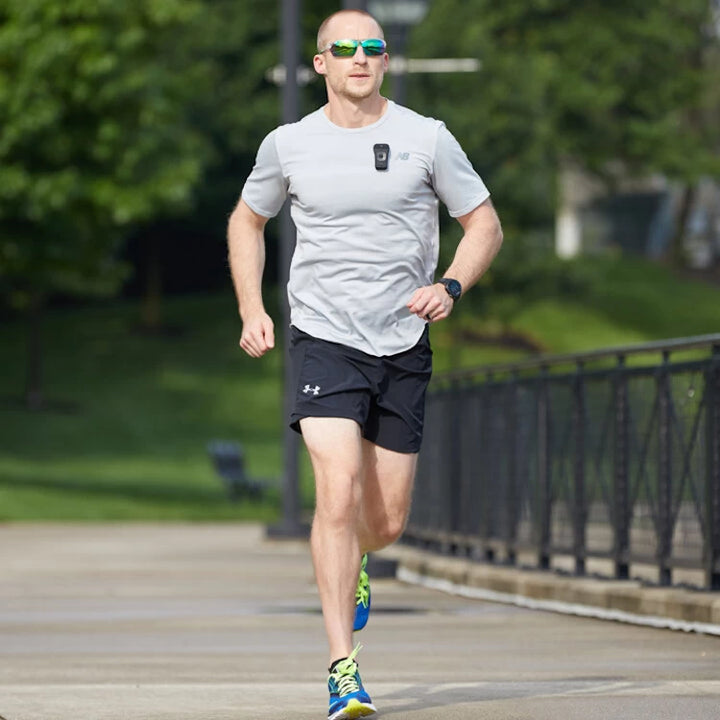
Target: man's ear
[319, 64]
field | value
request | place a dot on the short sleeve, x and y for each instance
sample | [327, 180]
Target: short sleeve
[265, 189]
[454, 178]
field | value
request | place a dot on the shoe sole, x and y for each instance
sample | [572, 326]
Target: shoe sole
[360, 624]
[353, 710]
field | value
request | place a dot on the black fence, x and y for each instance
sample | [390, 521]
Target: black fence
[609, 454]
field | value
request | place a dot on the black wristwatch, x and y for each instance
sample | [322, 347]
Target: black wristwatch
[452, 287]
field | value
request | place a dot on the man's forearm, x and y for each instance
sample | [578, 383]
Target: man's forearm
[479, 245]
[246, 251]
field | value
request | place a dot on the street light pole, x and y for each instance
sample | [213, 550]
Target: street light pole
[397, 37]
[397, 17]
[290, 525]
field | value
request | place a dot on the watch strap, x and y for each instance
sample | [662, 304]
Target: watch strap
[452, 287]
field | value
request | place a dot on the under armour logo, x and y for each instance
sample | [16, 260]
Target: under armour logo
[404, 156]
[307, 390]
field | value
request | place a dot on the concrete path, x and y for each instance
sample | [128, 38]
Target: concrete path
[152, 622]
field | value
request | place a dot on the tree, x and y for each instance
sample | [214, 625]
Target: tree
[613, 87]
[610, 85]
[94, 137]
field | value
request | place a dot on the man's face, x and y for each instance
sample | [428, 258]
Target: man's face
[356, 77]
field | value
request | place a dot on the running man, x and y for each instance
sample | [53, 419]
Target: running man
[364, 176]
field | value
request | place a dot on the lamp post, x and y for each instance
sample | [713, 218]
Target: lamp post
[290, 525]
[397, 17]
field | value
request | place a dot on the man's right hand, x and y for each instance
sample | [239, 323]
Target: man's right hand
[258, 335]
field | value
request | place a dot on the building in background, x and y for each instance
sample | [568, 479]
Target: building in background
[639, 216]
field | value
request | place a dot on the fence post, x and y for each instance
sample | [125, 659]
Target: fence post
[579, 499]
[544, 480]
[448, 447]
[454, 460]
[511, 496]
[488, 410]
[712, 489]
[621, 485]
[664, 540]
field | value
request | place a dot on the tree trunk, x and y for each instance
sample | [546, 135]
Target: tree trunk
[151, 317]
[34, 399]
[676, 254]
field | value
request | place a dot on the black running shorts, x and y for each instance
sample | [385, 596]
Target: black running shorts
[384, 395]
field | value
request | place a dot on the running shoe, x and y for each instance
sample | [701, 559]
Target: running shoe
[362, 597]
[348, 699]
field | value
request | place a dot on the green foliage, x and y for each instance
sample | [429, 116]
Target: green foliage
[236, 106]
[600, 83]
[525, 272]
[93, 135]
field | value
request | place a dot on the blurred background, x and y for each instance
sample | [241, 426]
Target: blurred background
[127, 131]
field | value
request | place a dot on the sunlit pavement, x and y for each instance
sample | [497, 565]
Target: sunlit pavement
[212, 622]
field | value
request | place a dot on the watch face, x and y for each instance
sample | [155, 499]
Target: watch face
[454, 288]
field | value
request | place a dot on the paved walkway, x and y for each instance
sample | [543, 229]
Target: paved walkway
[152, 622]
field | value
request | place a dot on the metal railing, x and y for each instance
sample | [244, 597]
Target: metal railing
[607, 454]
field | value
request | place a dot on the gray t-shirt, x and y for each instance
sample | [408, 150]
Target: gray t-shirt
[366, 238]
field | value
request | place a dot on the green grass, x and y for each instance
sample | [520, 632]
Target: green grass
[130, 415]
[628, 301]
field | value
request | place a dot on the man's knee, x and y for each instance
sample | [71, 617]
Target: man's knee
[386, 528]
[338, 500]
[392, 532]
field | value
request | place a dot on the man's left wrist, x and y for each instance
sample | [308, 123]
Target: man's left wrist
[452, 287]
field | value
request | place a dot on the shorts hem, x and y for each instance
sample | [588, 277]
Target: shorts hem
[414, 450]
[295, 418]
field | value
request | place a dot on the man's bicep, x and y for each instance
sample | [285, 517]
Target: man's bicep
[245, 215]
[266, 188]
[455, 180]
[483, 214]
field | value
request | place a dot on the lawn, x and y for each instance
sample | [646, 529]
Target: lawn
[131, 414]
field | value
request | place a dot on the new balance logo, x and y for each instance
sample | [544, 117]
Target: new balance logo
[307, 390]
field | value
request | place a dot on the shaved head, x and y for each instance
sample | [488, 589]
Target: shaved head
[343, 19]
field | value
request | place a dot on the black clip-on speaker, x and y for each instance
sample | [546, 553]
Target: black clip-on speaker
[382, 155]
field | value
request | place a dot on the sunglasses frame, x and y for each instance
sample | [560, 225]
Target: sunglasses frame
[356, 45]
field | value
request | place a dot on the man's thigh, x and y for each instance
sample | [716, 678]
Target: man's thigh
[334, 443]
[388, 478]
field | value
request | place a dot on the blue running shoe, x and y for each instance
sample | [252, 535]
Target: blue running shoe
[362, 597]
[348, 699]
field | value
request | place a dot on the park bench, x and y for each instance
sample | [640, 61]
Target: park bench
[228, 458]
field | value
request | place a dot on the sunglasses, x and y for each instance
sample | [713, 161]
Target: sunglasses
[348, 48]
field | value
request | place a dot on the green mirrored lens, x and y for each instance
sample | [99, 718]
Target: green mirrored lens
[347, 48]
[374, 46]
[344, 48]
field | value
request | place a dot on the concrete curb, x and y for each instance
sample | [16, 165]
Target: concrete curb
[624, 601]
